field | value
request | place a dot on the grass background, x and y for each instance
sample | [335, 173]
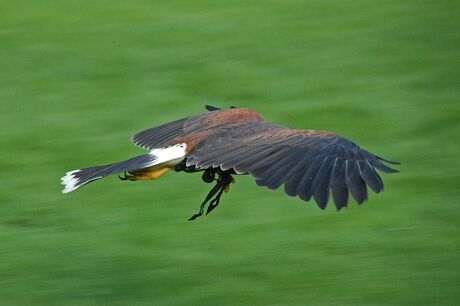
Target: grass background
[77, 78]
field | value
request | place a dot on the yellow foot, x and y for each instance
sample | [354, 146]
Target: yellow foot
[147, 174]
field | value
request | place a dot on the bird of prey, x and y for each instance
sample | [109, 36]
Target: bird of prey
[226, 142]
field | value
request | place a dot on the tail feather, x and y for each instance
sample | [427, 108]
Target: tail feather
[168, 156]
[77, 178]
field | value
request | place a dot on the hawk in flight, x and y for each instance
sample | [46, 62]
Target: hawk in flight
[226, 142]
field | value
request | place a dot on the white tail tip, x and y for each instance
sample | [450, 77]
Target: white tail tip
[70, 181]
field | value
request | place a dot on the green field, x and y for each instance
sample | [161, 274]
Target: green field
[78, 78]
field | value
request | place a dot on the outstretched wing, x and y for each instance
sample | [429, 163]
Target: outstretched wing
[309, 163]
[159, 136]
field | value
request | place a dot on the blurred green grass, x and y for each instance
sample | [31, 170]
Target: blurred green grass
[79, 77]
